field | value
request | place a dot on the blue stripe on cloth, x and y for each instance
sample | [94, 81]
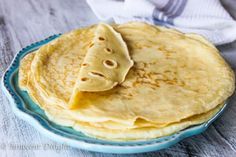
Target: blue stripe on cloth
[156, 11]
[167, 7]
[179, 9]
[171, 10]
[157, 22]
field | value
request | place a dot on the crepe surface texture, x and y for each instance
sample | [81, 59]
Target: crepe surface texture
[177, 80]
[105, 65]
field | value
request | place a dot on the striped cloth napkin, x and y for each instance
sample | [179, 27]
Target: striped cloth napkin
[205, 17]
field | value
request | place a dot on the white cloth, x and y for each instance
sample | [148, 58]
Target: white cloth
[205, 17]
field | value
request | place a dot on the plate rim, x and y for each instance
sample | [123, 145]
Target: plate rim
[15, 100]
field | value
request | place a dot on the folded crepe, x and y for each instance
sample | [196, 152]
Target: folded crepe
[105, 65]
[177, 80]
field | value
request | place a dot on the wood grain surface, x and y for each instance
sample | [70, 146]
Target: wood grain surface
[25, 21]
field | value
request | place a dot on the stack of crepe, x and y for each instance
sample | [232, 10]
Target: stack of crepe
[127, 82]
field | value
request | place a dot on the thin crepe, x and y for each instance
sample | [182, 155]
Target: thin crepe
[168, 82]
[60, 116]
[105, 65]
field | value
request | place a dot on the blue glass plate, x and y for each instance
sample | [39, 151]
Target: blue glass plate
[27, 110]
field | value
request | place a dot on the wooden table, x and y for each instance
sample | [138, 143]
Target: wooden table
[25, 21]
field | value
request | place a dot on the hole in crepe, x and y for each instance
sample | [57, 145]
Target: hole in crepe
[96, 74]
[91, 45]
[84, 79]
[108, 50]
[110, 64]
[84, 64]
[101, 38]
